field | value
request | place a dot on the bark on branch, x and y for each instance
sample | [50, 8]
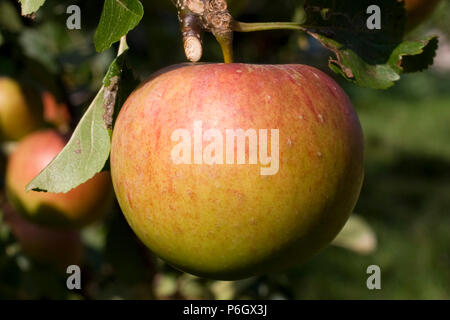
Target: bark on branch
[198, 16]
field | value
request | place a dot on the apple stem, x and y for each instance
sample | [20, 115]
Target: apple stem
[226, 43]
[198, 16]
[264, 26]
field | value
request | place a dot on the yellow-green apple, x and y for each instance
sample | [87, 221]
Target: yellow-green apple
[230, 170]
[20, 110]
[76, 208]
[417, 11]
[58, 247]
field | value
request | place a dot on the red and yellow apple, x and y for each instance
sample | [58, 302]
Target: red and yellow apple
[227, 208]
[58, 247]
[20, 110]
[76, 208]
[417, 11]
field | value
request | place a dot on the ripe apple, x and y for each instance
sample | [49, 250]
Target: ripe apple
[417, 11]
[209, 213]
[58, 247]
[76, 208]
[20, 110]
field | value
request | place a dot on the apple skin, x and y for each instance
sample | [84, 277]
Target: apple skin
[20, 110]
[57, 247]
[417, 11]
[79, 207]
[229, 222]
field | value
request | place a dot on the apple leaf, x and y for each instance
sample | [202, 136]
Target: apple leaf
[30, 6]
[425, 54]
[88, 149]
[83, 156]
[118, 18]
[373, 58]
[357, 235]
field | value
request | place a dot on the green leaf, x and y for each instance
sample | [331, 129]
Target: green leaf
[357, 235]
[369, 58]
[84, 155]
[30, 6]
[423, 55]
[118, 18]
[88, 149]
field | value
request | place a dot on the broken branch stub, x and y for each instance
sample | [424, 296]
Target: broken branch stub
[198, 16]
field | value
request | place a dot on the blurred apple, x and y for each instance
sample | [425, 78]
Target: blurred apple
[58, 247]
[55, 113]
[417, 11]
[76, 208]
[20, 110]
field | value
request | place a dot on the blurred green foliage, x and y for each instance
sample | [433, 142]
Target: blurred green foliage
[405, 197]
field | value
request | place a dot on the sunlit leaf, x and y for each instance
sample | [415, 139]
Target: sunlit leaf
[88, 149]
[357, 235]
[118, 18]
[30, 6]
